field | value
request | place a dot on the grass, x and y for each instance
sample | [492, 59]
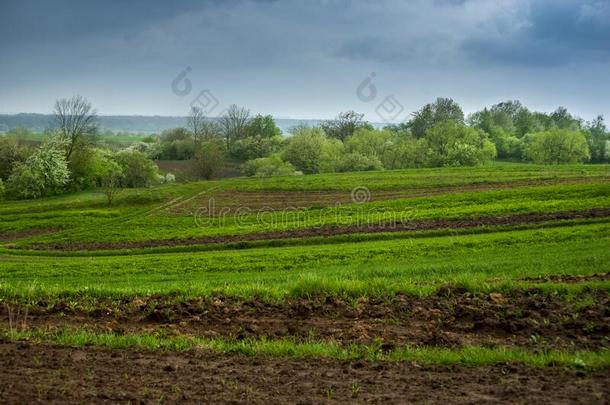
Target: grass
[480, 262]
[470, 356]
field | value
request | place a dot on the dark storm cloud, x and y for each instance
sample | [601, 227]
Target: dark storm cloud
[550, 33]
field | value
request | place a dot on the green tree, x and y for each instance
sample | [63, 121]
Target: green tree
[557, 146]
[310, 150]
[138, 169]
[370, 142]
[11, 153]
[599, 140]
[112, 178]
[443, 109]
[209, 159]
[450, 143]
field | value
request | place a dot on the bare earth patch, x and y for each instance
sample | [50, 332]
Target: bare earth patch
[42, 373]
[450, 319]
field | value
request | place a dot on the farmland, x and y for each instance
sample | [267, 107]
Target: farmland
[482, 284]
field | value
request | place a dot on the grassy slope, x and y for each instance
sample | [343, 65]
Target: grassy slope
[481, 262]
[136, 216]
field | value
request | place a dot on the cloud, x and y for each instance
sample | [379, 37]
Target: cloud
[546, 33]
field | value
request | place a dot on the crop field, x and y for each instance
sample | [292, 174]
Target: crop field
[488, 284]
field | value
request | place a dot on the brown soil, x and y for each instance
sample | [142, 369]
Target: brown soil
[451, 318]
[569, 278]
[12, 236]
[413, 225]
[41, 373]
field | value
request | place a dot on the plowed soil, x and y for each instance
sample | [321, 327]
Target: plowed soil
[452, 318]
[413, 225]
[41, 374]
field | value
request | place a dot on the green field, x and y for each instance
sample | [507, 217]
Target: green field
[72, 264]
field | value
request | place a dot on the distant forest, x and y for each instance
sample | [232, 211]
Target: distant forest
[136, 124]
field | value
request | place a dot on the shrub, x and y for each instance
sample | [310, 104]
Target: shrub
[2, 190]
[557, 146]
[356, 162]
[170, 178]
[267, 167]
[138, 169]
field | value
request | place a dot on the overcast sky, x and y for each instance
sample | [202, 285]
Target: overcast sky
[305, 58]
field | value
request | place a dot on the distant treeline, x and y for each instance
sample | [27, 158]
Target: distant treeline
[135, 124]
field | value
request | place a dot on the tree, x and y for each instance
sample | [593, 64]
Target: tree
[557, 146]
[112, 177]
[263, 126]
[234, 124]
[345, 125]
[44, 173]
[209, 160]
[443, 109]
[562, 119]
[202, 127]
[310, 150]
[11, 153]
[2, 190]
[77, 122]
[370, 142]
[267, 167]
[598, 139]
[450, 143]
[138, 169]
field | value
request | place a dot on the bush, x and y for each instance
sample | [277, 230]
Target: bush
[43, 174]
[311, 151]
[209, 159]
[2, 190]
[356, 162]
[450, 143]
[267, 167]
[138, 169]
[557, 146]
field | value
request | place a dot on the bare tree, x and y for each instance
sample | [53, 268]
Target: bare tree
[234, 124]
[202, 127]
[345, 125]
[77, 122]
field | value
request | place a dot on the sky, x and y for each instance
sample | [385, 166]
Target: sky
[305, 58]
